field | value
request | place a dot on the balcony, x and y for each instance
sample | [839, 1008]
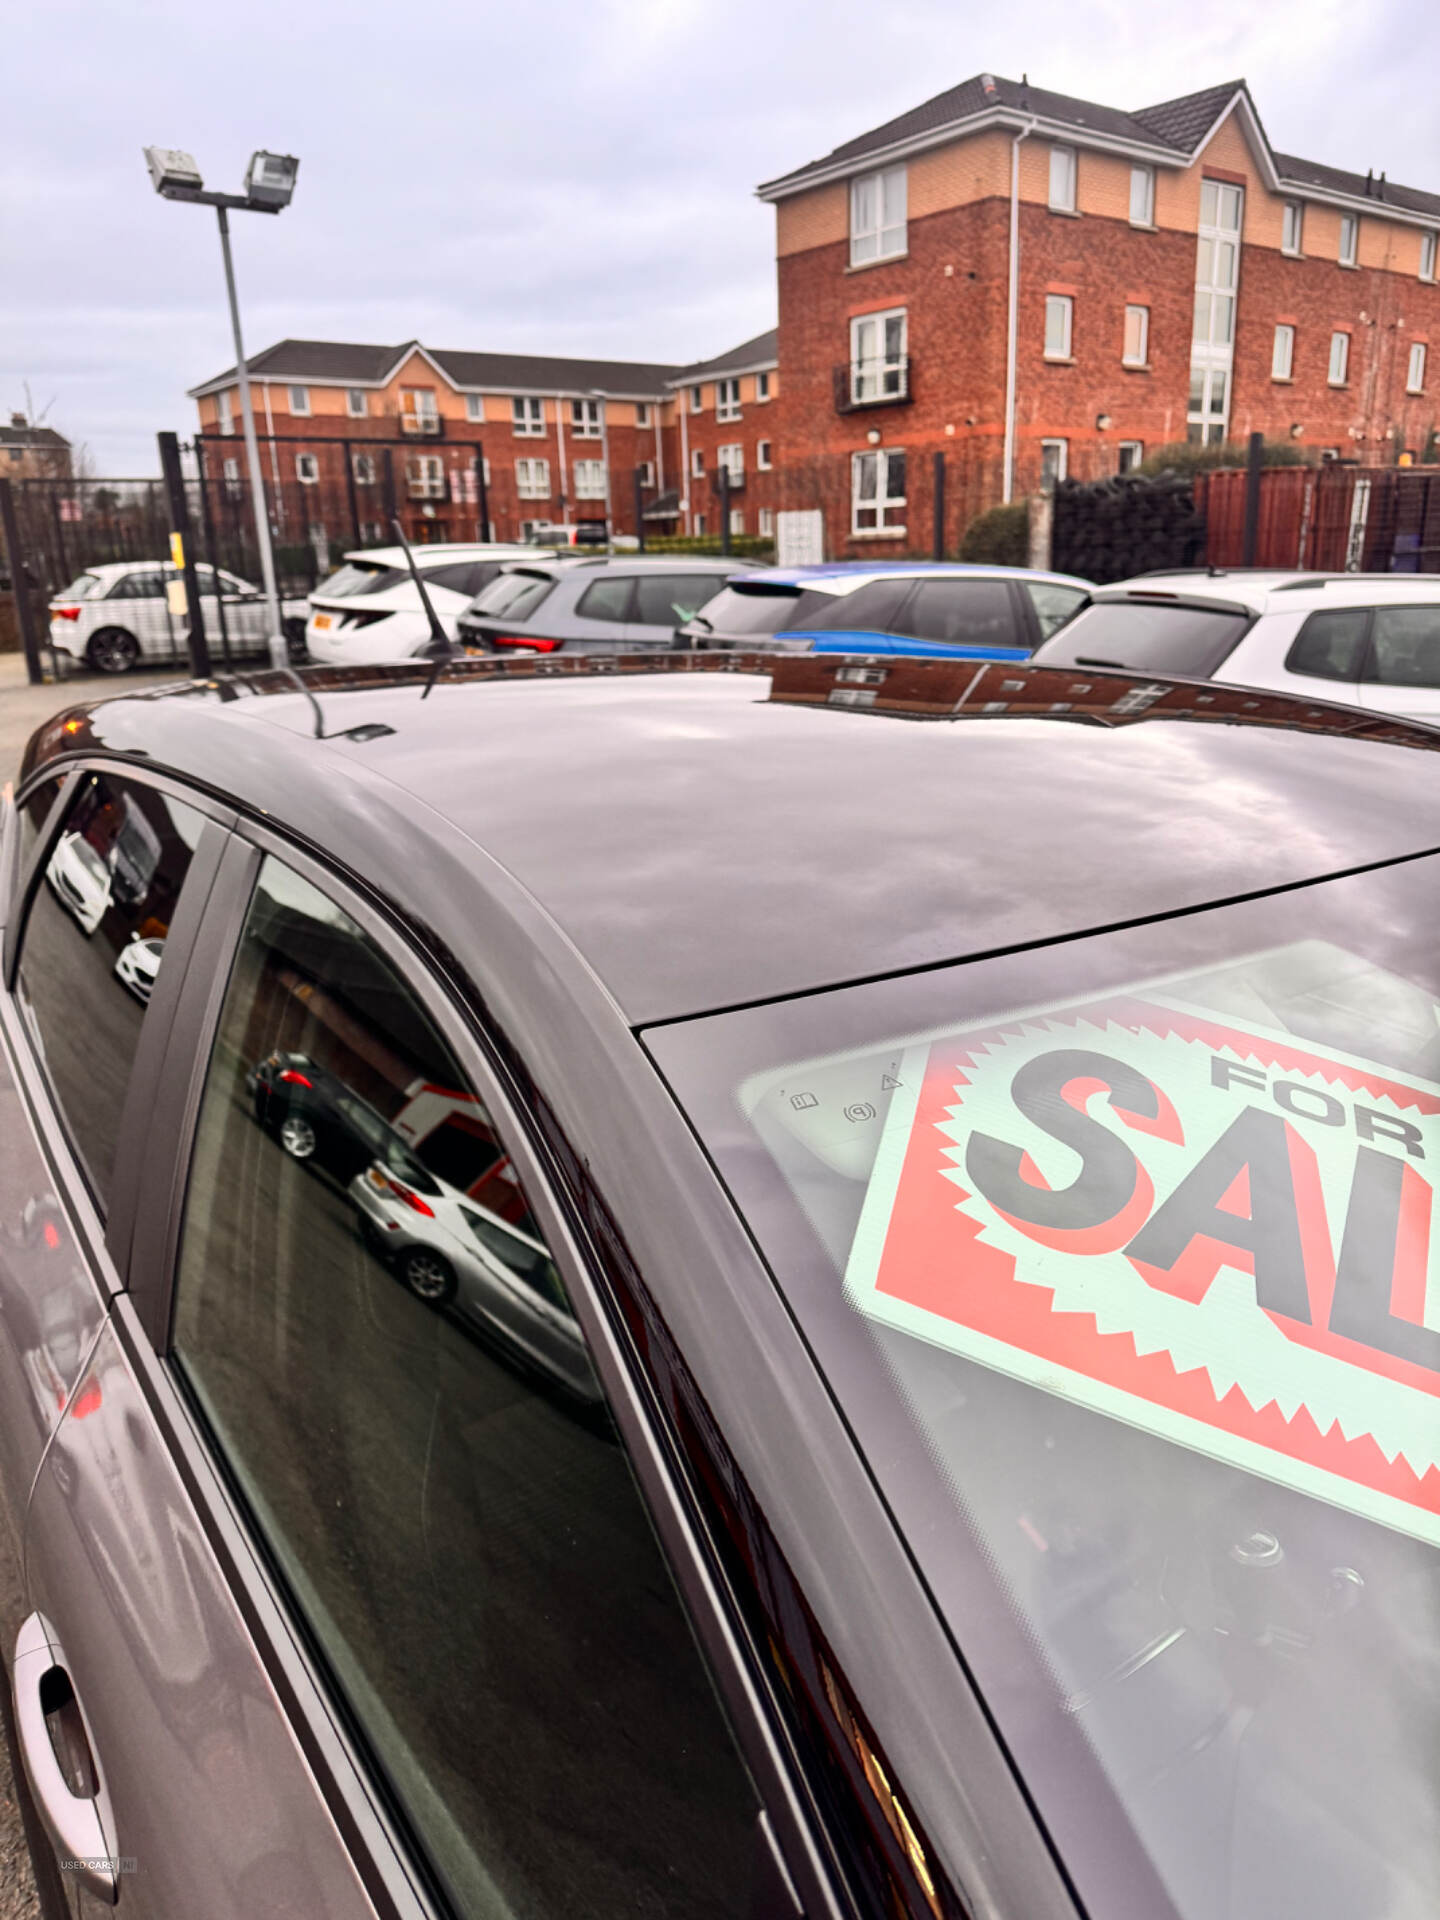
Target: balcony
[861, 384]
[420, 426]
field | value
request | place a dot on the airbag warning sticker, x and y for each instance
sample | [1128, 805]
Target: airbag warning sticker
[1193, 1226]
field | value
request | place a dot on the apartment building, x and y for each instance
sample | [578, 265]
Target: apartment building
[722, 419]
[33, 453]
[1039, 286]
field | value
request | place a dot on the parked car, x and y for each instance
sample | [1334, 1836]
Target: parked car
[591, 606]
[1370, 640]
[985, 1129]
[945, 604]
[369, 609]
[584, 533]
[82, 879]
[138, 965]
[317, 1118]
[113, 616]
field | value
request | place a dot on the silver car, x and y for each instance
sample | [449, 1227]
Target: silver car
[591, 606]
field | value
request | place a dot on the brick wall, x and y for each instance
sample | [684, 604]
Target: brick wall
[704, 433]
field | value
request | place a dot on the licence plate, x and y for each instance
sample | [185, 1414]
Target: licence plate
[322, 620]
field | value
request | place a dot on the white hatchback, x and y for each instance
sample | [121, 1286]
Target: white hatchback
[369, 611]
[113, 616]
[1368, 640]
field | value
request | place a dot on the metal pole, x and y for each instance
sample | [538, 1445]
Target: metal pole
[208, 530]
[725, 509]
[1013, 315]
[939, 547]
[180, 524]
[1252, 499]
[20, 586]
[279, 654]
[640, 508]
[350, 496]
[482, 492]
[390, 512]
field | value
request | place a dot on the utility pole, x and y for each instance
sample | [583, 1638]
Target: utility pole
[182, 552]
[20, 585]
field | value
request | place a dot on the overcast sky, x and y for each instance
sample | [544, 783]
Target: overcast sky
[571, 177]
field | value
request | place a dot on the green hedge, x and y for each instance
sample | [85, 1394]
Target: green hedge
[743, 546]
[999, 538]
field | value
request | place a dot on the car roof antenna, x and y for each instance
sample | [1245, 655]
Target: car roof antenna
[441, 646]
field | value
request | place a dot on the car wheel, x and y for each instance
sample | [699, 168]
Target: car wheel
[112, 650]
[429, 1276]
[297, 1137]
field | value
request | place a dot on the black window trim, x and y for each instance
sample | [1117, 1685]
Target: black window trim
[1366, 674]
[348, 1776]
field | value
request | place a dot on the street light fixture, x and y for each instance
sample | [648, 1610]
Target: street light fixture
[269, 184]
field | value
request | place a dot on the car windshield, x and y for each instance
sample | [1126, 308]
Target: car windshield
[1119, 1258]
[360, 576]
[80, 587]
[1148, 636]
[514, 596]
[761, 609]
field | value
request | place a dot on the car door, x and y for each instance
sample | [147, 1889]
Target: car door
[137, 602]
[602, 619]
[1402, 673]
[358, 1602]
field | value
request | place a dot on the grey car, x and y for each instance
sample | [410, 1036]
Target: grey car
[591, 606]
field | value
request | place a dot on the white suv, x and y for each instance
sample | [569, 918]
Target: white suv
[1369, 640]
[113, 616]
[369, 611]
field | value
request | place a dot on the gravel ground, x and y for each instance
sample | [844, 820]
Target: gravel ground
[18, 1899]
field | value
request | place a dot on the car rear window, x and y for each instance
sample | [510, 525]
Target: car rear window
[80, 588]
[1331, 645]
[875, 605]
[359, 576]
[668, 599]
[743, 610]
[514, 595]
[463, 576]
[1119, 1258]
[1053, 604]
[1407, 646]
[1150, 636]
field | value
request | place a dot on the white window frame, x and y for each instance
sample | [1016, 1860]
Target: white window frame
[1062, 465]
[475, 406]
[1142, 196]
[1427, 254]
[1064, 177]
[1135, 448]
[1339, 375]
[1282, 352]
[700, 523]
[1060, 307]
[763, 460]
[881, 375]
[363, 467]
[697, 463]
[423, 404]
[298, 400]
[425, 476]
[1349, 255]
[765, 520]
[224, 412]
[1415, 372]
[527, 417]
[879, 216]
[762, 386]
[307, 469]
[697, 399]
[876, 461]
[589, 479]
[352, 395]
[642, 413]
[647, 473]
[532, 478]
[727, 400]
[737, 520]
[731, 457]
[1292, 231]
[587, 419]
[234, 487]
[1141, 356]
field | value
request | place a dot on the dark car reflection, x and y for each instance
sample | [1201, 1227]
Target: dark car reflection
[317, 1118]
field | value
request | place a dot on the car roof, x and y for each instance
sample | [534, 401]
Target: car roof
[1276, 590]
[703, 835]
[844, 576]
[577, 562]
[437, 554]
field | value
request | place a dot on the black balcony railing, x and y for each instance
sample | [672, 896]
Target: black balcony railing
[421, 426]
[872, 383]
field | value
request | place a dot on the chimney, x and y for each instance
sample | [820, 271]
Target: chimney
[18, 420]
[987, 85]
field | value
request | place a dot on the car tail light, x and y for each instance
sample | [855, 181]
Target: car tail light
[526, 640]
[295, 1079]
[65, 613]
[385, 1182]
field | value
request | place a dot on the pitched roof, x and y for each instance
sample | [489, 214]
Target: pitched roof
[337, 362]
[1183, 123]
[762, 351]
[35, 437]
[1309, 173]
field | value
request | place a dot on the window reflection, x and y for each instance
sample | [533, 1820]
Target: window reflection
[374, 1329]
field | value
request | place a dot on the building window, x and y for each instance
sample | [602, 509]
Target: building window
[727, 399]
[474, 406]
[1349, 239]
[1062, 179]
[1282, 354]
[299, 399]
[877, 356]
[357, 402]
[1054, 461]
[1142, 196]
[699, 523]
[364, 469]
[647, 473]
[762, 382]
[1137, 337]
[425, 477]
[1427, 256]
[1059, 316]
[532, 479]
[731, 460]
[877, 492]
[224, 412]
[589, 479]
[877, 216]
[1209, 404]
[585, 419]
[233, 488]
[418, 411]
[1129, 454]
[1415, 381]
[737, 520]
[1339, 358]
[697, 399]
[697, 464]
[1293, 231]
[307, 468]
[528, 418]
[642, 413]
[762, 455]
[765, 520]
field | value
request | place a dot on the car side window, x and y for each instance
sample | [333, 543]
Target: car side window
[376, 1336]
[91, 950]
[607, 599]
[138, 586]
[876, 605]
[964, 612]
[1331, 645]
[1054, 604]
[1406, 646]
[669, 599]
[33, 812]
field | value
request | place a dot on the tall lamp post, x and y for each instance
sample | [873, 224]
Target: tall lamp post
[269, 184]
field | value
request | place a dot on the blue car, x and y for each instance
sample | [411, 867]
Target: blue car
[891, 606]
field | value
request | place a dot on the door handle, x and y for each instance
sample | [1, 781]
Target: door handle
[80, 1824]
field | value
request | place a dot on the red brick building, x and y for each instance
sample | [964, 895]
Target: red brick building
[723, 416]
[1036, 285]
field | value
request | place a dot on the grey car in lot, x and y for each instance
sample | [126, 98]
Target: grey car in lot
[591, 606]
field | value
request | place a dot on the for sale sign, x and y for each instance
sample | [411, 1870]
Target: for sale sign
[1195, 1226]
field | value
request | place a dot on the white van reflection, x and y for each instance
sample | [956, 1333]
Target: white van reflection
[81, 880]
[448, 1250]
